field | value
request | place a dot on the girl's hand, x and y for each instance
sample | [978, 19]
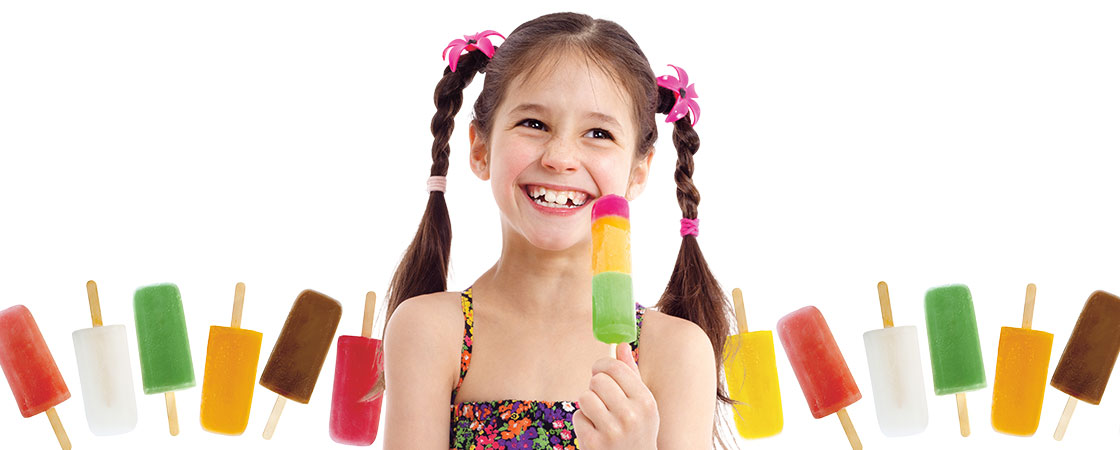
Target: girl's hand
[617, 411]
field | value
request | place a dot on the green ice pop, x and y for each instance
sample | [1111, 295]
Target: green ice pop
[954, 345]
[165, 352]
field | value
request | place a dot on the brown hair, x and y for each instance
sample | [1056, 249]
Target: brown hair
[693, 292]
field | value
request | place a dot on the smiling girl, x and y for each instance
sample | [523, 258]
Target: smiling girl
[566, 116]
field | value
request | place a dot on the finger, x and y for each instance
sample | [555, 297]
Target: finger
[626, 355]
[596, 412]
[581, 422]
[625, 376]
[608, 391]
[584, 429]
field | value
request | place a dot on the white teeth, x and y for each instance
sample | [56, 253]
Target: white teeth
[556, 199]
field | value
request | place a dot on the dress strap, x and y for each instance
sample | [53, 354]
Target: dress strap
[468, 340]
[639, 313]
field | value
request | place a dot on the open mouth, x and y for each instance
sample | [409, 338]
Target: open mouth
[553, 198]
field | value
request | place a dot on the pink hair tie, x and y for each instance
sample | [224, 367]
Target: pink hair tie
[685, 94]
[478, 41]
[437, 183]
[690, 226]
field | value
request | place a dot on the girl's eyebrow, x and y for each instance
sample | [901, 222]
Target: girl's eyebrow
[541, 109]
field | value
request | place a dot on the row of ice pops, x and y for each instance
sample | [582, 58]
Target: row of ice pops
[166, 365]
[895, 367]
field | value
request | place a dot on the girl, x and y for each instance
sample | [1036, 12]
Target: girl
[566, 115]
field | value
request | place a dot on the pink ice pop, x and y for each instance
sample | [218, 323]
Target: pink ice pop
[358, 360]
[820, 368]
[30, 369]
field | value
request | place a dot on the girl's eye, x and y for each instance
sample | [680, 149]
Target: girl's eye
[599, 133]
[533, 123]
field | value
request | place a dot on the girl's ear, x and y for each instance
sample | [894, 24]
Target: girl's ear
[480, 155]
[639, 176]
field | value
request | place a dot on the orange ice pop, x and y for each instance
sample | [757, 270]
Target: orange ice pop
[231, 373]
[1021, 366]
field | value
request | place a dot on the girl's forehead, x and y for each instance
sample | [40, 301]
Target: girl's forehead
[574, 80]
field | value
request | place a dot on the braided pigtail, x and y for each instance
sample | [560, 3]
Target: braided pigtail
[693, 292]
[423, 269]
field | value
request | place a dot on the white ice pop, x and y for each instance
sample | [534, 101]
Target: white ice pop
[105, 373]
[895, 364]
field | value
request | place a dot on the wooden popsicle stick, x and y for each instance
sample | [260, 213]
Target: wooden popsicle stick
[59, 432]
[1028, 306]
[614, 351]
[94, 303]
[885, 305]
[740, 311]
[849, 429]
[238, 305]
[172, 413]
[273, 419]
[371, 309]
[1060, 432]
[962, 414]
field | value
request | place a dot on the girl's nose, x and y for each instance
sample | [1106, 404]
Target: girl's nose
[560, 156]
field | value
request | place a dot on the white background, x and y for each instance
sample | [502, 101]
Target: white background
[286, 145]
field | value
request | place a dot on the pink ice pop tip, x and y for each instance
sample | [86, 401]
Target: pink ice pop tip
[610, 205]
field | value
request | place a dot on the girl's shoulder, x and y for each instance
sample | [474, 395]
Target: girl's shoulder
[427, 330]
[671, 348]
[437, 312]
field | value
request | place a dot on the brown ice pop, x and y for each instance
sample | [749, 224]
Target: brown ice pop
[1091, 352]
[297, 358]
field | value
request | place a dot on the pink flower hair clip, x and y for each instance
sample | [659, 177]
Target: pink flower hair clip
[477, 41]
[685, 93]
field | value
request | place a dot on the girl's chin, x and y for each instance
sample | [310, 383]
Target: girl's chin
[544, 240]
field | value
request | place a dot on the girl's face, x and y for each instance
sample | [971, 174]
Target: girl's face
[560, 140]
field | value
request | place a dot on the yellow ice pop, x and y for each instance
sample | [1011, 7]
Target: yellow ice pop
[1021, 366]
[752, 378]
[231, 373]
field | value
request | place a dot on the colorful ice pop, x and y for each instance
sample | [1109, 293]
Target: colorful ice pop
[1089, 355]
[612, 289]
[105, 373]
[752, 378]
[353, 421]
[30, 369]
[895, 364]
[820, 368]
[231, 373]
[300, 350]
[954, 346]
[165, 351]
[1021, 366]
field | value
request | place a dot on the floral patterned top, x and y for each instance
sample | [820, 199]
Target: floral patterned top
[513, 424]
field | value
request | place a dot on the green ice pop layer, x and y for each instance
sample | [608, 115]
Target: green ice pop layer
[161, 334]
[954, 343]
[612, 311]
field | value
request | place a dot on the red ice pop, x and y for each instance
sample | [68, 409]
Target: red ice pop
[30, 369]
[354, 421]
[820, 368]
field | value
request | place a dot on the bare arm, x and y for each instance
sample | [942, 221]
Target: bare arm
[681, 374]
[421, 366]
